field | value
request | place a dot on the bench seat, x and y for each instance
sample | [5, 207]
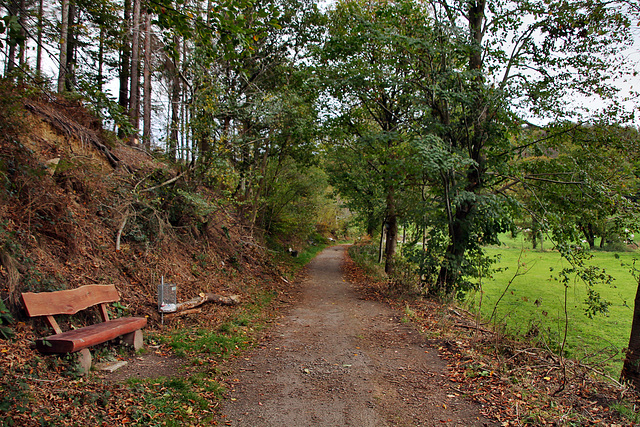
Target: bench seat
[77, 339]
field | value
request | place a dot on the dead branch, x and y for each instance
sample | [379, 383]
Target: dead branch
[602, 373]
[121, 228]
[164, 183]
[203, 298]
[183, 313]
[473, 328]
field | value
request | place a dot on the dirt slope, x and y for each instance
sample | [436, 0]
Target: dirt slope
[338, 360]
[77, 206]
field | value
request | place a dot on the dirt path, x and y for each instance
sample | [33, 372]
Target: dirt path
[337, 360]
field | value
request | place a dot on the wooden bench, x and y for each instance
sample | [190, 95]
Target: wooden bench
[72, 301]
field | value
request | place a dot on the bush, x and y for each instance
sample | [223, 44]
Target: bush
[366, 256]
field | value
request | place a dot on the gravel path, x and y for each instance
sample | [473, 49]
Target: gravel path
[338, 360]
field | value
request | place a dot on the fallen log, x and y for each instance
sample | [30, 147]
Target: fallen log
[183, 313]
[203, 298]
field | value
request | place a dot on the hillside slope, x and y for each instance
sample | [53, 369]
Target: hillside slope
[79, 207]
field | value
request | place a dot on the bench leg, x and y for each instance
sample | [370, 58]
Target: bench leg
[84, 360]
[134, 339]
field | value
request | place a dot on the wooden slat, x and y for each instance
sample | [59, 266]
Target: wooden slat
[104, 314]
[68, 302]
[54, 325]
[71, 341]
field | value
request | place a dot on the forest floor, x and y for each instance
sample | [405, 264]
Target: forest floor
[337, 359]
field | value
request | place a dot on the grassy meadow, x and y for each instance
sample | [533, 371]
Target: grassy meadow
[533, 305]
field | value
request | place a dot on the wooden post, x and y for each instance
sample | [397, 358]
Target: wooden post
[84, 360]
[134, 339]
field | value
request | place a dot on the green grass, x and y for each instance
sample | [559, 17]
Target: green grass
[220, 343]
[629, 410]
[308, 254]
[294, 264]
[230, 337]
[192, 399]
[175, 401]
[533, 305]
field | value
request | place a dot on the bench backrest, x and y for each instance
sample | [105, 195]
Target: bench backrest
[69, 301]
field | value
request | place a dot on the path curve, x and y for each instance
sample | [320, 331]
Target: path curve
[337, 360]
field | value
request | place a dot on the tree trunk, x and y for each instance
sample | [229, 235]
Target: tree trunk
[64, 30]
[370, 227]
[174, 99]
[69, 81]
[392, 232]
[451, 268]
[100, 76]
[261, 185]
[146, 134]
[22, 18]
[391, 243]
[383, 233]
[631, 367]
[134, 107]
[186, 131]
[39, 38]
[174, 124]
[125, 60]
[476, 21]
[12, 10]
[11, 57]
[589, 235]
[459, 237]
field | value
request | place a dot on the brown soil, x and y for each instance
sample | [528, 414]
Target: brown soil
[150, 365]
[337, 360]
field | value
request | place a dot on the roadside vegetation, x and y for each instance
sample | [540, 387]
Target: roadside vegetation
[189, 395]
[518, 378]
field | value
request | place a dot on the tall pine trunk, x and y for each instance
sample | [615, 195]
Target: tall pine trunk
[175, 96]
[39, 37]
[12, 11]
[72, 38]
[64, 30]
[22, 19]
[134, 106]
[146, 134]
[100, 76]
[125, 60]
